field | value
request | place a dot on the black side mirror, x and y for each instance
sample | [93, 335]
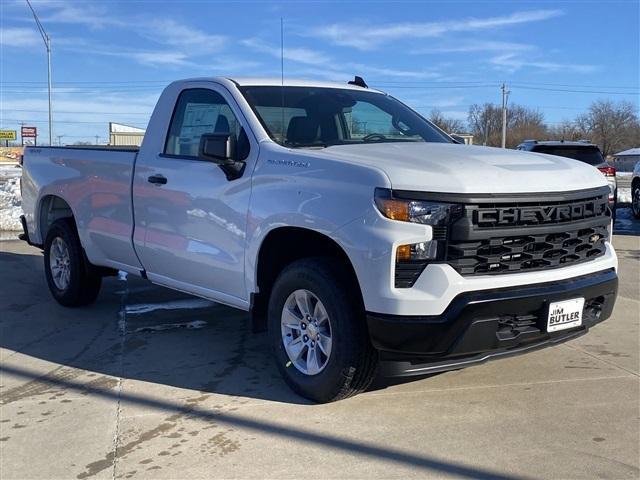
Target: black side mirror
[218, 148]
[457, 138]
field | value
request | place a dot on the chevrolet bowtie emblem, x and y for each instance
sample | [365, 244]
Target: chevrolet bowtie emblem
[594, 238]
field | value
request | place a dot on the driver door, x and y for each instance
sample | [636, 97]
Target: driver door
[189, 218]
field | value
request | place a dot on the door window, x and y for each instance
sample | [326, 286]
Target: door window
[198, 111]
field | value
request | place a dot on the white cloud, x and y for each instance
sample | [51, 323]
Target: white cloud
[20, 37]
[366, 37]
[474, 46]
[511, 62]
[158, 58]
[180, 35]
[296, 54]
[327, 65]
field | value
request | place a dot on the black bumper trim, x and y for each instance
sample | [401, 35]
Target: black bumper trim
[408, 369]
[487, 323]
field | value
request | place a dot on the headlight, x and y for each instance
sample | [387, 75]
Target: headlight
[411, 259]
[416, 211]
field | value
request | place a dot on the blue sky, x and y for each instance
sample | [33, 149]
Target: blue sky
[111, 59]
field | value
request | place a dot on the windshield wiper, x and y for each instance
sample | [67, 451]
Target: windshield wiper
[306, 145]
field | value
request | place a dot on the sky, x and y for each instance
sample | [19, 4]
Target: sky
[111, 59]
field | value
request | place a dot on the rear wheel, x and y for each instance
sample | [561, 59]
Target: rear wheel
[72, 280]
[318, 333]
[635, 200]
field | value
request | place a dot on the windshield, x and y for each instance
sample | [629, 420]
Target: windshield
[321, 117]
[587, 154]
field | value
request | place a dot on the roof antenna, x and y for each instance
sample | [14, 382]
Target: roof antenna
[282, 78]
[358, 82]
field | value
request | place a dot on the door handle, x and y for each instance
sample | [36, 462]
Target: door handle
[157, 179]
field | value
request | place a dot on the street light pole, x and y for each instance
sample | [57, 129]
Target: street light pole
[47, 44]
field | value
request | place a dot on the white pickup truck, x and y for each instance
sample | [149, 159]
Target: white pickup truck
[362, 237]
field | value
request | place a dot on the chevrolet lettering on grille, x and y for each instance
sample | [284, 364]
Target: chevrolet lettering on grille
[530, 215]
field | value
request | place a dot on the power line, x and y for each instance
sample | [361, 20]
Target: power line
[80, 112]
[381, 80]
[70, 122]
[601, 92]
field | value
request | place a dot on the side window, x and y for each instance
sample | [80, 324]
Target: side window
[198, 111]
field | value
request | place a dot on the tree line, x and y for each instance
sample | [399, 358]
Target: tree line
[613, 126]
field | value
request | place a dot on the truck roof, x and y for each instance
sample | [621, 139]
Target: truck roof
[276, 82]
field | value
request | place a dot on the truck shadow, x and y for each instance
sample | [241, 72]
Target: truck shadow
[139, 331]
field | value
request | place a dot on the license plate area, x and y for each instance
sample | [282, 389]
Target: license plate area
[565, 314]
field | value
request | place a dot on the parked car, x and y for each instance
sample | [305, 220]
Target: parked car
[358, 234]
[583, 151]
[635, 191]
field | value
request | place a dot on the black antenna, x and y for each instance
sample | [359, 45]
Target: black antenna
[358, 81]
[282, 76]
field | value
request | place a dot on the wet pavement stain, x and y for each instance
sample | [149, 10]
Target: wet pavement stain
[41, 386]
[122, 451]
[221, 445]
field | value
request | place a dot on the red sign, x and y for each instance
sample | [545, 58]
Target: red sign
[29, 132]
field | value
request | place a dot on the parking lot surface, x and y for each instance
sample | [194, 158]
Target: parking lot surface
[149, 383]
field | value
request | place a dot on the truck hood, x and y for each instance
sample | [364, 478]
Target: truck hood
[454, 168]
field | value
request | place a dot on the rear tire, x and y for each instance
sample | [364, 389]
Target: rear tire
[351, 362]
[72, 280]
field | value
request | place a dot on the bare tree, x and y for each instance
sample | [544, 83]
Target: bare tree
[613, 126]
[485, 122]
[566, 130]
[448, 124]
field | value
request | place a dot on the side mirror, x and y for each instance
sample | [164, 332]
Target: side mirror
[218, 148]
[457, 138]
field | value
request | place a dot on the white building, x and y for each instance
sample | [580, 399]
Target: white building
[125, 135]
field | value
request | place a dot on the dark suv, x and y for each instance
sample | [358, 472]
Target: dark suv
[583, 151]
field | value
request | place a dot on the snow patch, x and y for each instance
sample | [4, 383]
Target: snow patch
[624, 195]
[173, 305]
[171, 326]
[10, 198]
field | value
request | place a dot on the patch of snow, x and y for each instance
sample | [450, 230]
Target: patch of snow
[173, 305]
[171, 326]
[10, 198]
[122, 276]
[624, 195]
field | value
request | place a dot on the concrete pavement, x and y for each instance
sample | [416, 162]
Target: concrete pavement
[149, 383]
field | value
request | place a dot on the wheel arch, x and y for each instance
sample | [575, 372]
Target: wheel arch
[279, 248]
[52, 207]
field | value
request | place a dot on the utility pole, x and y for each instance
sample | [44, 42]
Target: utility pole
[60, 140]
[97, 138]
[505, 95]
[486, 131]
[47, 44]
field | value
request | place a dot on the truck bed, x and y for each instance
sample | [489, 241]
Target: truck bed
[95, 182]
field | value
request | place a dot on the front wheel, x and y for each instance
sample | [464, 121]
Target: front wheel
[318, 332]
[72, 280]
[635, 200]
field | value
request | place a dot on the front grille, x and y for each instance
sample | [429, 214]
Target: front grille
[509, 233]
[526, 252]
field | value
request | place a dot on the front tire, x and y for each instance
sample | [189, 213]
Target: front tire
[318, 333]
[72, 280]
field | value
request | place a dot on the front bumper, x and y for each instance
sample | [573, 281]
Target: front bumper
[480, 325]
